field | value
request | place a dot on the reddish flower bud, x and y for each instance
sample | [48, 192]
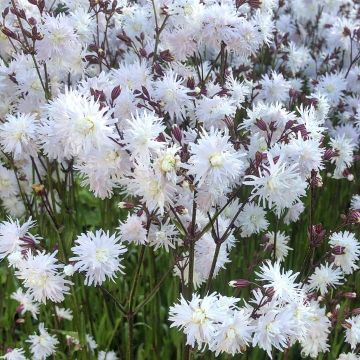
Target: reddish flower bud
[240, 283]
[356, 311]
[338, 250]
[353, 217]
[143, 52]
[328, 154]
[166, 56]
[270, 292]
[346, 325]
[316, 234]
[176, 133]
[349, 295]
[261, 124]
[116, 91]
[19, 308]
[346, 31]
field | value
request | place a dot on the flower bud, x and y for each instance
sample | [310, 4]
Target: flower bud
[176, 132]
[240, 283]
[260, 123]
[356, 311]
[125, 205]
[349, 295]
[69, 270]
[338, 250]
[346, 325]
[353, 217]
[316, 234]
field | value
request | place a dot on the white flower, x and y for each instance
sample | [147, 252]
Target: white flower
[212, 111]
[14, 354]
[18, 135]
[173, 95]
[355, 202]
[132, 230]
[100, 169]
[234, 334]
[277, 184]
[27, 302]
[325, 276]
[274, 89]
[214, 159]
[353, 331]
[298, 57]
[282, 240]
[197, 318]
[348, 356]
[74, 124]
[98, 255]
[345, 148]
[91, 343]
[141, 134]
[351, 251]
[252, 219]
[306, 153]
[282, 282]
[13, 236]
[42, 345]
[58, 37]
[69, 270]
[107, 355]
[63, 313]
[318, 329]
[332, 86]
[165, 235]
[8, 183]
[294, 212]
[155, 189]
[273, 329]
[40, 274]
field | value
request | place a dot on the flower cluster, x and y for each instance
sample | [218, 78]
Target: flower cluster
[214, 126]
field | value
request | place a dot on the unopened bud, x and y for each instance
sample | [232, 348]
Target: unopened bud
[260, 123]
[346, 31]
[116, 91]
[125, 205]
[289, 124]
[182, 210]
[353, 217]
[316, 234]
[346, 325]
[328, 154]
[270, 292]
[240, 283]
[356, 311]
[19, 308]
[349, 295]
[176, 132]
[338, 250]
[69, 270]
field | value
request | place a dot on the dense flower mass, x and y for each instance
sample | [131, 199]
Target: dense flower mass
[156, 151]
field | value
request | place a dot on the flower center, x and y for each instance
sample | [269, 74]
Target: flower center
[37, 280]
[101, 255]
[199, 316]
[216, 160]
[167, 163]
[329, 88]
[231, 333]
